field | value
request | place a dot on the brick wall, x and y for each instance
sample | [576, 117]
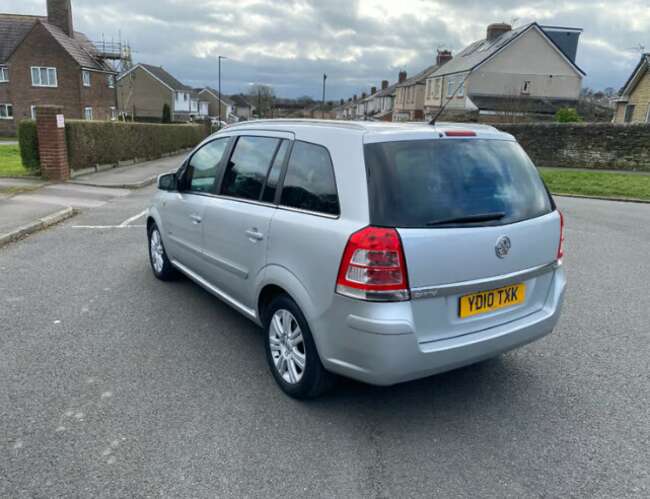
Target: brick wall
[52, 146]
[585, 145]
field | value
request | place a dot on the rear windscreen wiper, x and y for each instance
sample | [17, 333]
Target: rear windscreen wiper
[479, 217]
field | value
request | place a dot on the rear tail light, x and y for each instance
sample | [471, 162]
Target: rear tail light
[560, 248]
[460, 133]
[373, 266]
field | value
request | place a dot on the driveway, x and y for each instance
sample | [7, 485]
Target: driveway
[117, 385]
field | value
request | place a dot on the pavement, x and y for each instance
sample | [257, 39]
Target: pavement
[115, 384]
[28, 205]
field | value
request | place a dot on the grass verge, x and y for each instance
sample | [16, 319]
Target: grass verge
[599, 184]
[10, 163]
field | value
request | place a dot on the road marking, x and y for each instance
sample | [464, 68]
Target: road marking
[133, 218]
[108, 226]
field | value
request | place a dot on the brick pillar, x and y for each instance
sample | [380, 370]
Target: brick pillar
[52, 145]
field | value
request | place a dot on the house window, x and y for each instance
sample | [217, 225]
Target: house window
[110, 79]
[629, 112]
[4, 74]
[461, 90]
[185, 97]
[88, 113]
[32, 111]
[450, 88]
[647, 115]
[44, 77]
[113, 113]
[6, 112]
[85, 77]
[525, 88]
[437, 88]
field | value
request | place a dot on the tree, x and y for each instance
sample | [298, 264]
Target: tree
[567, 115]
[166, 114]
[262, 97]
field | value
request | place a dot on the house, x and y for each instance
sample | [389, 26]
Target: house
[409, 92]
[44, 61]
[633, 103]
[143, 91]
[241, 107]
[209, 104]
[527, 70]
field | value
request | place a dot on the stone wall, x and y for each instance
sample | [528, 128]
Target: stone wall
[585, 145]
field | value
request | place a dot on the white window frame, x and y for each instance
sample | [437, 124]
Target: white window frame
[461, 90]
[113, 110]
[110, 79]
[88, 111]
[49, 72]
[32, 111]
[450, 87]
[4, 74]
[525, 88]
[437, 88]
[6, 107]
[85, 77]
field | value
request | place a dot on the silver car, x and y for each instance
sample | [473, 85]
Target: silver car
[377, 251]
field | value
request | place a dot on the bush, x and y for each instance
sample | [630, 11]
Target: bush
[93, 143]
[167, 114]
[28, 140]
[567, 115]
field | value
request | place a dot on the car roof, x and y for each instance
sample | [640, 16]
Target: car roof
[370, 131]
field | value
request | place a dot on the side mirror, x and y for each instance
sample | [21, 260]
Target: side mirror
[167, 182]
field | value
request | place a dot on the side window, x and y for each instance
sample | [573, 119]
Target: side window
[248, 166]
[202, 168]
[274, 174]
[309, 183]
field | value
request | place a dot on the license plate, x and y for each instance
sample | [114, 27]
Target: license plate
[488, 301]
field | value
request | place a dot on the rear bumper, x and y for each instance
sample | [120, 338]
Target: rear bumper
[379, 346]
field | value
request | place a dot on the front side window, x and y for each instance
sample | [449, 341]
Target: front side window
[202, 168]
[248, 167]
[309, 183]
[85, 77]
[88, 113]
[4, 74]
[6, 112]
[44, 77]
[419, 183]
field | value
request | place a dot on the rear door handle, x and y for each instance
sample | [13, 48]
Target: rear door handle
[254, 235]
[196, 219]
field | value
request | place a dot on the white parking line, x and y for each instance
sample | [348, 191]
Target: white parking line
[108, 226]
[133, 218]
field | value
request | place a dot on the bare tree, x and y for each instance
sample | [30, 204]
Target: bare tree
[262, 97]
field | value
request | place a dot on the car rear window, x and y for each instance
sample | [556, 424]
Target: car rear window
[420, 182]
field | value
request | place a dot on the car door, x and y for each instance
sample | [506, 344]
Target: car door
[236, 221]
[183, 211]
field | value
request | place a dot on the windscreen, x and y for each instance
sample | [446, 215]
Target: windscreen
[452, 182]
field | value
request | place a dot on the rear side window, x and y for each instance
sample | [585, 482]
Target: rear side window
[274, 174]
[248, 166]
[309, 183]
[421, 183]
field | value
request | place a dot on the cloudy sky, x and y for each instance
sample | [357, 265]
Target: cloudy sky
[289, 44]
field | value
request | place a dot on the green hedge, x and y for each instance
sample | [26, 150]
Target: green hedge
[93, 143]
[28, 140]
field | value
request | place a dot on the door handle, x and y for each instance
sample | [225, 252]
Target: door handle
[196, 219]
[254, 235]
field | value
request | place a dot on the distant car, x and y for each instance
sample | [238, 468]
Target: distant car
[377, 251]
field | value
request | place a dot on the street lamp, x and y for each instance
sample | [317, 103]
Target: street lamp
[322, 109]
[220, 101]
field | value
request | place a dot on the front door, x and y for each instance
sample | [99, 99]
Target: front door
[237, 220]
[183, 211]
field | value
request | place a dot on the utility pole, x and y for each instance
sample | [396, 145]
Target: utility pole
[322, 108]
[220, 101]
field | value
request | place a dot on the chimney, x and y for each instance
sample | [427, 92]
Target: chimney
[59, 13]
[443, 56]
[373, 90]
[495, 30]
[401, 77]
[384, 84]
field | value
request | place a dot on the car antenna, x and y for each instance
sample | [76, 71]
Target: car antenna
[444, 106]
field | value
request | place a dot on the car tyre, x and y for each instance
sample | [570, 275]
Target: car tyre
[160, 265]
[291, 352]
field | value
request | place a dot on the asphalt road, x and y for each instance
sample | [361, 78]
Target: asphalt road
[113, 384]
